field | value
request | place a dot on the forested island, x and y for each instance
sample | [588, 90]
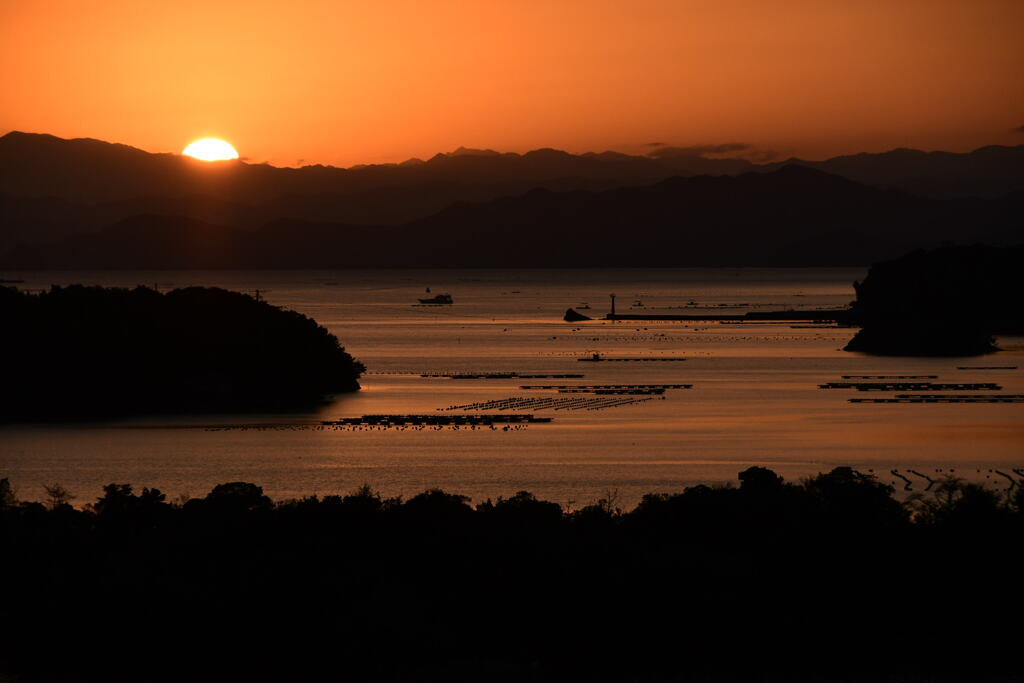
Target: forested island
[948, 301]
[81, 352]
[832, 578]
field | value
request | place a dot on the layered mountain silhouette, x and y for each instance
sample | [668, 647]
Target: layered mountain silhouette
[791, 217]
[990, 171]
[87, 203]
[51, 187]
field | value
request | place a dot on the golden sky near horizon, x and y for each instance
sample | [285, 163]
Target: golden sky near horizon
[369, 81]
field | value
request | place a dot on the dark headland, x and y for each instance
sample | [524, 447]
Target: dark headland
[949, 301]
[86, 352]
[943, 302]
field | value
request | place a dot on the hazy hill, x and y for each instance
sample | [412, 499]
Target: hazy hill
[40, 220]
[795, 216]
[986, 172]
[51, 188]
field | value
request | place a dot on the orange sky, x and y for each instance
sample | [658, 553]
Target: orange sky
[364, 81]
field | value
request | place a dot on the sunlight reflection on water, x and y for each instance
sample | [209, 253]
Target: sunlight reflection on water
[755, 398]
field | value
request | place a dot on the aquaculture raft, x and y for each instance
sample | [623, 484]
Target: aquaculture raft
[597, 358]
[911, 386]
[515, 418]
[598, 387]
[890, 376]
[551, 403]
[500, 375]
[941, 399]
[607, 388]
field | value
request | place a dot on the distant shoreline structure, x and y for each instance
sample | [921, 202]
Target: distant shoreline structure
[836, 315]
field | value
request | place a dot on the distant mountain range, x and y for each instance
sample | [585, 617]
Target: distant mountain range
[795, 216]
[91, 204]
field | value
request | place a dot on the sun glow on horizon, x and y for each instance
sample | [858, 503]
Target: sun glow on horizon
[210, 149]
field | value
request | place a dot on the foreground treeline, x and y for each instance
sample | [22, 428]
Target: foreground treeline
[829, 579]
[84, 352]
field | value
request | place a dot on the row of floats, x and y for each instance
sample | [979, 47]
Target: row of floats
[436, 419]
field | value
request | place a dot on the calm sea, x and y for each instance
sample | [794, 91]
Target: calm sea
[754, 398]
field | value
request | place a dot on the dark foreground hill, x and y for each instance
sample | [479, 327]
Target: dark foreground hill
[86, 352]
[943, 302]
[829, 580]
[795, 216]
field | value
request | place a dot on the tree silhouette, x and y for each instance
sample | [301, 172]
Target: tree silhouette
[57, 496]
[238, 496]
[7, 497]
[714, 583]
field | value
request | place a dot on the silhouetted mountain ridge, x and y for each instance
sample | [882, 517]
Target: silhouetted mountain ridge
[988, 171]
[51, 188]
[795, 216]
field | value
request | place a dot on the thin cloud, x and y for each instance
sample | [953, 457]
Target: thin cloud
[666, 152]
[733, 150]
[1019, 129]
[761, 156]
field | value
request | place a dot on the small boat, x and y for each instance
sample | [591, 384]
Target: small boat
[438, 300]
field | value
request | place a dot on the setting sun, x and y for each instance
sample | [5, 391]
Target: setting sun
[210, 149]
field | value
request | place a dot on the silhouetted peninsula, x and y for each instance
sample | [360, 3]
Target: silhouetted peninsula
[573, 316]
[944, 302]
[84, 352]
[830, 579]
